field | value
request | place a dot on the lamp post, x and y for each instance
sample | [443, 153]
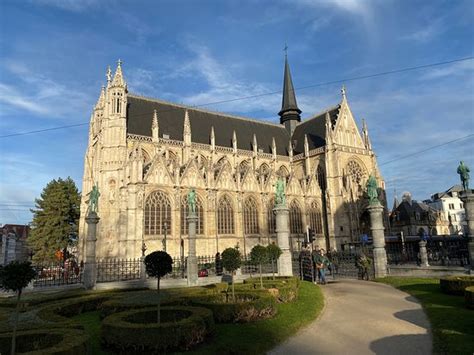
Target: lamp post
[165, 226]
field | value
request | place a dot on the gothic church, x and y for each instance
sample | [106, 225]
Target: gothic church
[145, 154]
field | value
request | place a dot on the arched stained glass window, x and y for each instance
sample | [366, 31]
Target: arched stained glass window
[250, 216]
[225, 216]
[157, 213]
[184, 212]
[296, 224]
[271, 221]
[315, 218]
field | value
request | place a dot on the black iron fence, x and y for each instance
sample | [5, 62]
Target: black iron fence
[112, 269]
[55, 274]
[442, 251]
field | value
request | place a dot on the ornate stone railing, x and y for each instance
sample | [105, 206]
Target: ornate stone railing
[138, 137]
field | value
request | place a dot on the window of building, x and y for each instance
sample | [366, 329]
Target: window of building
[296, 225]
[454, 218]
[250, 216]
[451, 206]
[461, 205]
[225, 216]
[184, 212]
[157, 214]
[271, 221]
[315, 218]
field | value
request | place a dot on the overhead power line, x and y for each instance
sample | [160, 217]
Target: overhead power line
[426, 149]
[338, 81]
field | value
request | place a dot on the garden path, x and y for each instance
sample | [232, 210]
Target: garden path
[363, 317]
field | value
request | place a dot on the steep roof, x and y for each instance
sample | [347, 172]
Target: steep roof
[171, 121]
[315, 128]
[288, 102]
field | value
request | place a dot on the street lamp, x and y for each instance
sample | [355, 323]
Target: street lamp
[165, 227]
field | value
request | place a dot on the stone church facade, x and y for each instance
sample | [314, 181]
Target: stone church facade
[145, 154]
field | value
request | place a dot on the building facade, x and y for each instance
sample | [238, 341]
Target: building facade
[451, 206]
[13, 243]
[145, 154]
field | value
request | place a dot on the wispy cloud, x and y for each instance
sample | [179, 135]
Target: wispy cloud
[465, 68]
[70, 5]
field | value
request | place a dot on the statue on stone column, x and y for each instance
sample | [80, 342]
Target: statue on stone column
[280, 198]
[463, 172]
[192, 201]
[372, 191]
[94, 195]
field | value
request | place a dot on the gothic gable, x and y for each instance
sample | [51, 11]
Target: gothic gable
[192, 176]
[158, 173]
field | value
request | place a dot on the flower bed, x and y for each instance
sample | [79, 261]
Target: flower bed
[137, 330]
[455, 285]
[50, 341]
[247, 307]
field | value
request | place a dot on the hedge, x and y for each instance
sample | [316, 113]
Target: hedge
[469, 297]
[284, 289]
[455, 285]
[248, 306]
[137, 330]
[50, 341]
[59, 313]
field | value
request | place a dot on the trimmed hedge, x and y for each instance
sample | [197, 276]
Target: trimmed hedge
[284, 289]
[247, 308]
[469, 297]
[49, 341]
[135, 330]
[455, 285]
[59, 313]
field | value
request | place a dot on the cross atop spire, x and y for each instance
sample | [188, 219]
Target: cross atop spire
[343, 92]
[285, 50]
[118, 76]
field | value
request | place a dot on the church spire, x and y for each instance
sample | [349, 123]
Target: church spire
[289, 113]
[155, 127]
[186, 129]
[118, 80]
[234, 142]
[213, 139]
[365, 135]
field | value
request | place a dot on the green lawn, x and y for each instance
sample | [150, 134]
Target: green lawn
[452, 323]
[248, 338]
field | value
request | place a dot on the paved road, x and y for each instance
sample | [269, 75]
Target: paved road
[363, 318]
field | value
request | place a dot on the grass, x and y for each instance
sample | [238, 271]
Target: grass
[259, 337]
[248, 338]
[452, 323]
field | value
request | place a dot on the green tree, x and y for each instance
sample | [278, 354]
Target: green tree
[231, 260]
[274, 253]
[55, 219]
[15, 277]
[158, 264]
[258, 256]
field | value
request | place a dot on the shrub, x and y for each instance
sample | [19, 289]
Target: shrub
[50, 341]
[274, 252]
[469, 297]
[231, 260]
[455, 285]
[283, 289]
[137, 329]
[258, 256]
[245, 307]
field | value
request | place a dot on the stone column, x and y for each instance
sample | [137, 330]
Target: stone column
[467, 197]
[90, 264]
[191, 264]
[376, 226]
[285, 266]
[423, 253]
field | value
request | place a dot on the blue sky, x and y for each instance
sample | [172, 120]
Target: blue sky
[54, 54]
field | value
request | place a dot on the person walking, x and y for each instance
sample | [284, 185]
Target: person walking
[321, 264]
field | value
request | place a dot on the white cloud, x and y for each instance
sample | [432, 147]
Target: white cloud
[465, 68]
[70, 5]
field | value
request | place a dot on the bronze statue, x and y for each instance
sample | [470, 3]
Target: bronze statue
[372, 190]
[94, 199]
[463, 172]
[280, 198]
[192, 201]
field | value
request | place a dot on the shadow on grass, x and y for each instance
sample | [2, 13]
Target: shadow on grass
[414, 316]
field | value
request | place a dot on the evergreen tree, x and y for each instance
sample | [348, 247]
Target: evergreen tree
[55, 219]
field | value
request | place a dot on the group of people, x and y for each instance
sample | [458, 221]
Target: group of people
[319, 263]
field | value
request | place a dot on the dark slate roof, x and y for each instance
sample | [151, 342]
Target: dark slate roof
[171, 120]
[315, 128]
[288, 102]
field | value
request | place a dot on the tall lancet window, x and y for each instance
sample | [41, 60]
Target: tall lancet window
[157, 214]
[296, 224]
[271, 221]
[225, 216]
[250, 216]
[185, 213]
[315, 218]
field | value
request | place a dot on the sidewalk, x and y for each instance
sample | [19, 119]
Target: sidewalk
[363, 317]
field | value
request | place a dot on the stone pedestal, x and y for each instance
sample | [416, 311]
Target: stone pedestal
[191, 264]
[423, 254]
[285, 266]
[467, 197]
[376, 226]
[90, 264]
